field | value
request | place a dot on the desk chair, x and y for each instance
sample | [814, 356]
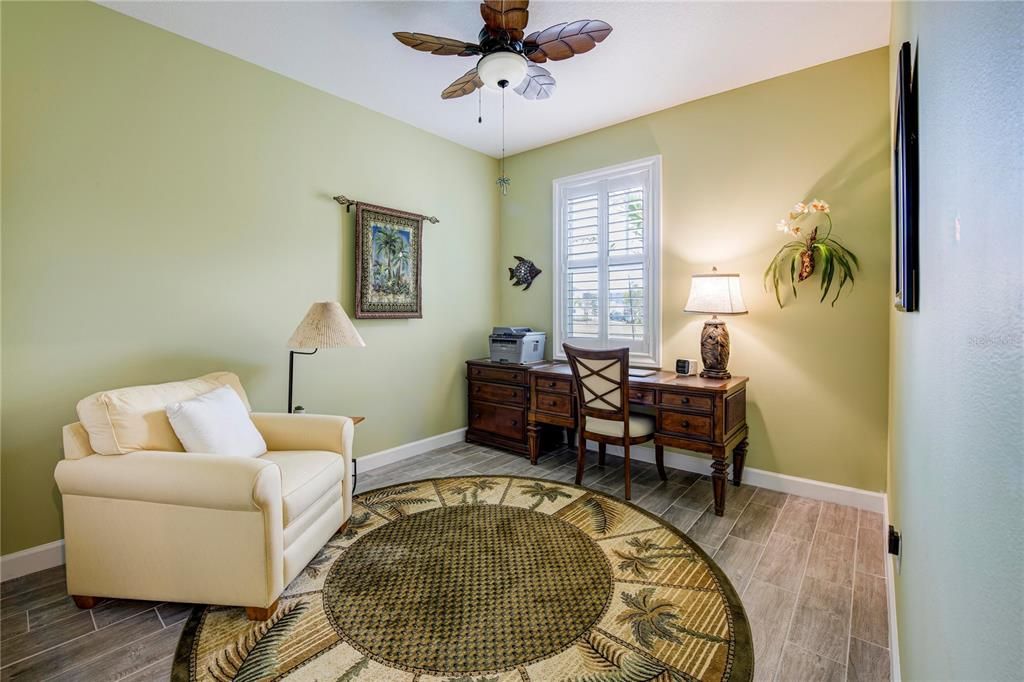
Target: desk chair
[602, 405]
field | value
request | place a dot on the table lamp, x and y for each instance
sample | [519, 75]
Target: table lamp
[718, 294]
[326, 325]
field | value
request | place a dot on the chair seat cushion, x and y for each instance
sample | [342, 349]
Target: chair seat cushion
[305, 476]
[639, 425]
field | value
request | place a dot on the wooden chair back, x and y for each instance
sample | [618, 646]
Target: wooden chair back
[602, 382]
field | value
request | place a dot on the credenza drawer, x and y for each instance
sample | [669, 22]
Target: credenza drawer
[553, 385]
[504, 421]
[510, 375]
[689, 425]
[553, 403]
[641, 396]
[687, 401]
[499, 393]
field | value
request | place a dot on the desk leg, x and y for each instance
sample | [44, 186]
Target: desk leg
[659, 459]
[739, 458]
[533, 436]
[718, 468]
[570, 436]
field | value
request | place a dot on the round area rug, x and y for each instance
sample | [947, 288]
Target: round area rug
[488, 579]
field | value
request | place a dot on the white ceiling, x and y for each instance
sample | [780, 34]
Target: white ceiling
[659, 54]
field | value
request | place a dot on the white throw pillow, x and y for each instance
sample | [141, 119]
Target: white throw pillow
[216, 423]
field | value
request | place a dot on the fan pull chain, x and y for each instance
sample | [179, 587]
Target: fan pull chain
[503, 180]
[479, 106]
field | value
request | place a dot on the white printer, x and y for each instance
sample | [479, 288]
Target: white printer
[517, 345]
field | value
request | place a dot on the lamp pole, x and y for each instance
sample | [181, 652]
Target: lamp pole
[291, 371]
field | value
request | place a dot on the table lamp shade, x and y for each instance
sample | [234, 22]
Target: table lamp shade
[716, 293]
[326, 325]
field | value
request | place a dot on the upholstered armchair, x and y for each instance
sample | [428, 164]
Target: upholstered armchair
[145, 520]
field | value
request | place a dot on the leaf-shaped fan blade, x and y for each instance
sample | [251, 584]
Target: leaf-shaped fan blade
[538, 84]
[463, 85]
[562, 41]
[505, 15]
[437, 45]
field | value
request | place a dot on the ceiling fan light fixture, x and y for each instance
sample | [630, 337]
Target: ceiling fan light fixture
[502, 70]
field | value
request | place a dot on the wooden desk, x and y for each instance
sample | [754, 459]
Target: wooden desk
[515, 406]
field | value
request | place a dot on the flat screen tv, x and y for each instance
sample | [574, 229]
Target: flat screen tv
[905, 179]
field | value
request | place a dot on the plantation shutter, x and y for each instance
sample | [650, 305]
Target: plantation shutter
[606, 235]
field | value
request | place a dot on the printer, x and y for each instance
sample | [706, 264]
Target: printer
[517, 345]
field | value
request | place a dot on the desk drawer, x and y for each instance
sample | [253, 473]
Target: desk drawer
[554, 403]
[689, 425]
[510, 375]
[504, 421]
[693, 402]
[499, 393]
[553, 385]
[641, 396]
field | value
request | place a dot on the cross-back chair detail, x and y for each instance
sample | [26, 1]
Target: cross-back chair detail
[602, 388]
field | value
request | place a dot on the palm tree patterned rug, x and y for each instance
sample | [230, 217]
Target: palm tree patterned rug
[487, 579]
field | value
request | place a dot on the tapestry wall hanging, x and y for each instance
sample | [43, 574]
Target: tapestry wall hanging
[389, 250]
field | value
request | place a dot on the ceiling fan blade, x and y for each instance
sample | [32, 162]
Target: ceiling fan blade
[562, 41]
[509, 16]
[437, 45]
[538, 84]
[463, 85]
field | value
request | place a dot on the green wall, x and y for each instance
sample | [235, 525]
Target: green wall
[167, 212]
[957, 368]
[733, 164]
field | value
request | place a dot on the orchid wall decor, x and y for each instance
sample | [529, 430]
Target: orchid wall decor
[804, 254]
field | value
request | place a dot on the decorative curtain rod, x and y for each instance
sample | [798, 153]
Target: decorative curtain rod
[349, 203]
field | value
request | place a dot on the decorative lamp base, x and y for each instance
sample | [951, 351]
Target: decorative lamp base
[714, 349]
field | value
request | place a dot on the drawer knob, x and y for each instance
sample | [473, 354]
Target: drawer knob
[515, 422]
[686, 424]
[684, 400]
[476, 416]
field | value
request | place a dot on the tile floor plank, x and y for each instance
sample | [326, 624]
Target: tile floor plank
[868, 663]
[32, 581]
[33, 642]
[127, 660]
[870, 610]
[799, 665]
[56, 660]
[832, 558]
[769, 609]
[838, 519]
[737, 558]
[821, 622]
[756, 522]
[770, 498]
[783, 561]
[799, 518]
[174, 613]
[870, 551]
[682, 518]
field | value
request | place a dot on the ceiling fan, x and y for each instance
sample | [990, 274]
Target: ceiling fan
[506, 57]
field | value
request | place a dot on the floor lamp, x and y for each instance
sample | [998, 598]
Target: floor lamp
[326, 325]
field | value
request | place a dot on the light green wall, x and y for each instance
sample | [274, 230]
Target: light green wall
[167, 212]
[733, 164]
[957, 460]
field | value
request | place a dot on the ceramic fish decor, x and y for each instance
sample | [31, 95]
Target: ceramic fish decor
[523, 273]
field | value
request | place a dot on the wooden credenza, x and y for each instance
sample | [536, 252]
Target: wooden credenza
[525, 408]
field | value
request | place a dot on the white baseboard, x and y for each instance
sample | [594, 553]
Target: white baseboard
[890, 585]
[30, 560]
[401, 452]
[805, 487]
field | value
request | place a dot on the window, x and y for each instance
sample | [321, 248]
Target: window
[607, 248]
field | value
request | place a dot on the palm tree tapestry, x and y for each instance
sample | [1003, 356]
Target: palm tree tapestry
[388, 259]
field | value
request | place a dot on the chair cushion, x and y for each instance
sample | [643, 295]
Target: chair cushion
[639, 425]
[124, 420]
[216, 423]
[305, 476]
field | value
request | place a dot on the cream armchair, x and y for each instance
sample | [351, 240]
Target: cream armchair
[145, 520]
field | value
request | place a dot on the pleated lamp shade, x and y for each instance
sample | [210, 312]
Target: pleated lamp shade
[326, 325]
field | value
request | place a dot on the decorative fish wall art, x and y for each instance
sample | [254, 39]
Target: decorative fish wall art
[523, 273]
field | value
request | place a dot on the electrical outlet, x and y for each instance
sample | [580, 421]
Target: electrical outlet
[895, 546]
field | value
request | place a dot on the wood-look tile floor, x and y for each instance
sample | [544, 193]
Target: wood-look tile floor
[811, 575]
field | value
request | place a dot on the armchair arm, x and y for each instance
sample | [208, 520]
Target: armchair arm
[188, 479]
[284, 431]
